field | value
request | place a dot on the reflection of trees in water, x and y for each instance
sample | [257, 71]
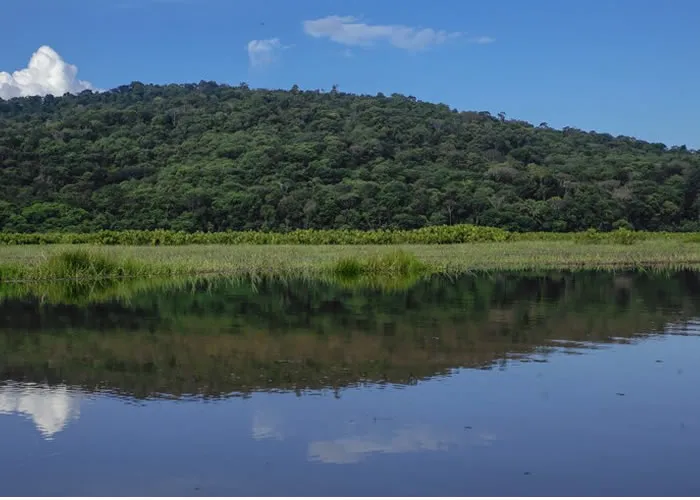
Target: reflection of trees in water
[214, 337]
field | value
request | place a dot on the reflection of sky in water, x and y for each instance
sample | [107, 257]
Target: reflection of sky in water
[50, 408]
[265, 426]
[410, 439]
[355, 445]
[555, 428]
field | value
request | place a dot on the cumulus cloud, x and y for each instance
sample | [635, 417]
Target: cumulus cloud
[47, 73]
[264, 52]
[347, 30]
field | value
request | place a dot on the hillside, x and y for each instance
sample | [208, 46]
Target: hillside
[215, 157]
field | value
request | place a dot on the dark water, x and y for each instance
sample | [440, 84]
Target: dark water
[566, 384]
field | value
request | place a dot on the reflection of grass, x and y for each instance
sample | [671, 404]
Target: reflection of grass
[90, 291]
[196, 335]
[372, 282]
[33, 262]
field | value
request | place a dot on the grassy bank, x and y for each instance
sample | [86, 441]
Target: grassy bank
[342, 261]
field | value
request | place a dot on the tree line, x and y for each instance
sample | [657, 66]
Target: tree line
[209, 157]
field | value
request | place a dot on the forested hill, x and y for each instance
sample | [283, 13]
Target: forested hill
[213, 157]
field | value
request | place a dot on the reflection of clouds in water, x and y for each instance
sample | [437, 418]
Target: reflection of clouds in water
[51, 408]
[410, 439]
[266, 427]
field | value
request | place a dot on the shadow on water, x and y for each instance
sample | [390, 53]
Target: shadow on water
[222, 337]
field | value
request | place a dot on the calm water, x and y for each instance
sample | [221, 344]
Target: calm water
[566, 384]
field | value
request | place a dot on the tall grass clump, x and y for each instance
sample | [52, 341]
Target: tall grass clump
[397, 270]
[348, 268]
[80, 264]
[398, 263]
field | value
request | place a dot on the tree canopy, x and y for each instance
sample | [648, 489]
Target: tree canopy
[209, 157]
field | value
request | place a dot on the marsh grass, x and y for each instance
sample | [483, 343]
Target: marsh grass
[343, 262]
[79, 264]
[397, 263]
[396, 270]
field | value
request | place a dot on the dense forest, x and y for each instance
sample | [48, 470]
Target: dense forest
[209, 157]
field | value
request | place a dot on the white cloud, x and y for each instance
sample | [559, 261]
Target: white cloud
[47, 73]
[263, 52]
[482, 40]
[347, 30]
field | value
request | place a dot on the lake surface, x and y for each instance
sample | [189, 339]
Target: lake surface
[501, 384]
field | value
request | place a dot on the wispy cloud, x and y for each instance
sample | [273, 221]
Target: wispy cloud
[47, 73]
[482, 40]
[264, 52]
[347, 30]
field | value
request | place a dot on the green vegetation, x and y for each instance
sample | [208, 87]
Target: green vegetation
[395, 270]
[355, 265]
[81, 264]
[438, 235]
[213, 158]
[462, 233]
[392, 264]
[212, 337]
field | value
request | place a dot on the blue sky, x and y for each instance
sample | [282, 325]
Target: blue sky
[619, 66]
